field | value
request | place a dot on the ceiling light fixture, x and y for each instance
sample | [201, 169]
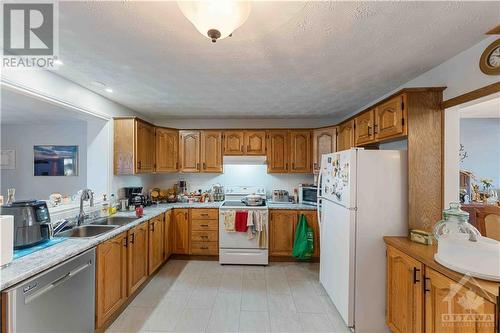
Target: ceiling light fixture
[58, 62]
[216, 19]
[109, 90]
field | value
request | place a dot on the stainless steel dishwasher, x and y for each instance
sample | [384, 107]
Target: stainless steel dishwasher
[61, 299]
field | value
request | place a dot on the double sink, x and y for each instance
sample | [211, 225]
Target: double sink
[96, 227]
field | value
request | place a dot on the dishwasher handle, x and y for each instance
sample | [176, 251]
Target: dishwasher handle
[56, 282]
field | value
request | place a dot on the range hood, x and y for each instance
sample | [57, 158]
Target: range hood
[244, 160]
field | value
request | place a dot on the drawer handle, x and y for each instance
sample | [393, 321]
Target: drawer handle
[204, 236]
[204, 247]
[204, 225]
[206, 215]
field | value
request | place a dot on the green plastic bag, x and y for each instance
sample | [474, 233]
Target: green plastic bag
[303, 245]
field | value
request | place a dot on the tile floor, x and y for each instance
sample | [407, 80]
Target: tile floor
[203, 296]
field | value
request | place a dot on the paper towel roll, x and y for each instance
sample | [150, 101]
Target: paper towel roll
[6, 239]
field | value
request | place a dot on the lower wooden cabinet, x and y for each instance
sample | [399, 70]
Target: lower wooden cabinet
[167, 235]
[156, 243]
[420, 299]
[282, 227]
[111, 277]
[137, 252]
[204, 234]
[404, 311]
[180, 231]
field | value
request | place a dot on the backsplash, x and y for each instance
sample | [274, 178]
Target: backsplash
[243, 175]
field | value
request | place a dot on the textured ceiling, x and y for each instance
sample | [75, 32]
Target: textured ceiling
[290, 59]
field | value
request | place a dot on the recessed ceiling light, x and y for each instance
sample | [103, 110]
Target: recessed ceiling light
[109, 90]
[98, 84]
[58, 62]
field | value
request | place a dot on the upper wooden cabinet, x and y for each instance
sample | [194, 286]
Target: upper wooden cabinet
[345, 135]
[234, 142]
[255, 142]
[390, 118]
[167, 150]
[211, 151]
[364, 125]
[189, 151]
[134, 146]
[324, 142]
[404, 307]
[277, 151]
[300, 151]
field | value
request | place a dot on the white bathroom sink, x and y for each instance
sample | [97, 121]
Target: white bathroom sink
[479, 259]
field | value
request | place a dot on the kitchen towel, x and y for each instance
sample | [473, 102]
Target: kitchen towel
[241, 221]
[229, 218]
[250, 224]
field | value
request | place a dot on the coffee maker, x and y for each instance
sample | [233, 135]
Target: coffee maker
[130, 193]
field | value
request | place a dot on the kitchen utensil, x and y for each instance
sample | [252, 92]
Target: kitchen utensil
[253, 200]
[281, 196]
[7, 239]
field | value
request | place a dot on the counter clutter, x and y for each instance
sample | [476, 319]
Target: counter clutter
[30, 265]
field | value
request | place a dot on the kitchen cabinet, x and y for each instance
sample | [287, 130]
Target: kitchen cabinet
[204, 234]
[189, 151]
[156, 242]
[345, 135]
[324, 142]
[255, 142]
[390, 118]
[282, 232]
[211, 151]
[277, 151]
[404, 308]
[364, 128]
[111, 277]
[234, 143]
[134, 146]
[167, 235]
[167, 150]
[137, 256]
[180, 234]
[445, 298]
[300, 151]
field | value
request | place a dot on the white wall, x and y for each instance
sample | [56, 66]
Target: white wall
[236, 175]
[481, 140]
[22, 138]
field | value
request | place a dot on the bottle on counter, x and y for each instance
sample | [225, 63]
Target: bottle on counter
[105, 205]
[112, 205]
[295, 196]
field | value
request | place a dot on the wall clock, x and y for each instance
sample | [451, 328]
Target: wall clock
[490, 59]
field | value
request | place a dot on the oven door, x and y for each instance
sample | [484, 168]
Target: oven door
[238, 240]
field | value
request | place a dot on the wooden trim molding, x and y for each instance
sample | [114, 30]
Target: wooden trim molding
[472, 95]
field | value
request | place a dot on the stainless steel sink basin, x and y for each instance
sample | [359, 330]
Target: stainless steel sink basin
[114, 220]
[86, 231]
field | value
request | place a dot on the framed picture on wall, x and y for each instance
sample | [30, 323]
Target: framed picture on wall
[8, 159]
[55, 160]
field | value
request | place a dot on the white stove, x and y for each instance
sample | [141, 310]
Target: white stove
[236, 247]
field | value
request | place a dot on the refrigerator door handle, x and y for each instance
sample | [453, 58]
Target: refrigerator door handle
[318, 200]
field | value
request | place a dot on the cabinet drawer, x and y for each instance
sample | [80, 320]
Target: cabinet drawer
[205, 248]
[209, 214]
[201, 225]
[204, 236]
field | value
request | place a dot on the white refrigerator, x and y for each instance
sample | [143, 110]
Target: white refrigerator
[362, 196]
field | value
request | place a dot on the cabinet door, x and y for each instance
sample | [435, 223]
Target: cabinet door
[144, 147]
[156, 242]
[390, 118]
[189, 151]
[277, 151]
[324, 141]
[181, 231]
[111, 277]
[364, 128]
[167, 150]
[137, 257]
[234, 143]
[450, 307]
[211, 151]
[282, 232]
[312, 220]
[404, 303]
[167, 235]
[300, 151]
[345, 135]
[255, 143]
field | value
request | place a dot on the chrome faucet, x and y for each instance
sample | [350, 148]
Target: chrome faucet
[87, 194]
